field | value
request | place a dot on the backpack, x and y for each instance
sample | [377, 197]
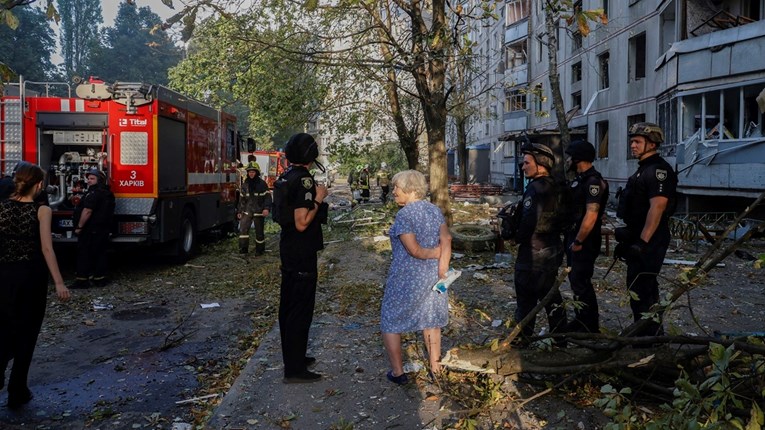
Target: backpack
[279, 210]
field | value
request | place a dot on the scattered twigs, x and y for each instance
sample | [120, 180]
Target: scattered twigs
[169, 343]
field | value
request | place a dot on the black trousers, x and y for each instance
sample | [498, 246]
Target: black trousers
[23, 297]
[582, 264]
[365, 195]
[641, 279]
[385, 190]
[531, 286]
[92, 246]
[244, 233]
[297, 301]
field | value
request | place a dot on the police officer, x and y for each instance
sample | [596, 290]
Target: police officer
[364, 181]
[300, 209]
[590, 196]
[254, 206]
[540, 250]
[383, 181]
[645, 205]
[92, 220]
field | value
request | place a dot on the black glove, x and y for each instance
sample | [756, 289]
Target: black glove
[638, 249]
[620, 251]
[323, 213]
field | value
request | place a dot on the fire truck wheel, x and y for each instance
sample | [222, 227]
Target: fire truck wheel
[187, 241]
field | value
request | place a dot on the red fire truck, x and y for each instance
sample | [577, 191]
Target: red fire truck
[170, 160]
[272, 164]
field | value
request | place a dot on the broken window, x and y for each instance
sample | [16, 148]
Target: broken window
[516, 11]
[632, 120]
[601, 138]
[515, 101]
[726, 114]
[576, 41]
[539, 93]
[576, 72]
[603, 60]
[667, 30]
[516, 54]
[705, 16]
[667, 120]
[576, 100]
[637, 57]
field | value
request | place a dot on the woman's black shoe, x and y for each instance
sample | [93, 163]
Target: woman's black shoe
[303, 377]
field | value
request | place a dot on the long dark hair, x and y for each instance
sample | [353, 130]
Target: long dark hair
[26, 177]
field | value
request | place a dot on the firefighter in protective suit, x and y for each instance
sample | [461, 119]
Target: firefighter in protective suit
[254, 207]
[540, 250]
[589, 197]
[383, 181]
[645, 205]
[364, 181]
[299, 208]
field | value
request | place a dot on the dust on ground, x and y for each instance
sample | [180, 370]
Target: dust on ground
[123, 356]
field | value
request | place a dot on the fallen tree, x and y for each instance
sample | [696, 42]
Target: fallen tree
[665, 366]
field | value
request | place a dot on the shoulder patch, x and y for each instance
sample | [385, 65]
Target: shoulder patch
[527, 203]
[594, 190]
[574, 184]
[307, 183]
[661, 174]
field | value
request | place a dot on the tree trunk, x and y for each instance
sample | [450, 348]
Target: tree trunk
[462, 153]
[429, 49]
[551, 23]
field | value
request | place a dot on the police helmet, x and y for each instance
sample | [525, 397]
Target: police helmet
[542, 154]
[648, 130]
[252, 165]
[301, 149]
[581, 150]
[100, 176]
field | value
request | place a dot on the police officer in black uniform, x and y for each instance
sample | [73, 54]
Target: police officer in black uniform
[299, 208]
[590, 195]
[540, 250]
[254, 206]
[645, 205]
[92, 220]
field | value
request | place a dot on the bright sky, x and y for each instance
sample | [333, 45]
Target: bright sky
[109, 11]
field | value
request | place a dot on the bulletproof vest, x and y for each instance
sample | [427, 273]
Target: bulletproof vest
[556, 217]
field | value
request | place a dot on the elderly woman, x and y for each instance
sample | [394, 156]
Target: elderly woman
[421, 252]
[27, 248]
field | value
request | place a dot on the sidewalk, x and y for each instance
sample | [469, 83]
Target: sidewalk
[354, 391]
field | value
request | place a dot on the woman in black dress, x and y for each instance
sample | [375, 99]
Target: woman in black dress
[27, 247]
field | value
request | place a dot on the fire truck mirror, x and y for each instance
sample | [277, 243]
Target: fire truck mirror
[250, 144]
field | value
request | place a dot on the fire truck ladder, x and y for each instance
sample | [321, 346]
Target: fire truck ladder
[10, 133]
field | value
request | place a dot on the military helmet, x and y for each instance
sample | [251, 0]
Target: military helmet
[252, 165]
[100, 176]
[648, 130]
[301, 149]
[581, 150]
[542, 154]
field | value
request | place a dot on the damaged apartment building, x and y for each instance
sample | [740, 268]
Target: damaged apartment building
[696, 67]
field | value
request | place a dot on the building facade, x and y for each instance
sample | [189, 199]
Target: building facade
[679, 63]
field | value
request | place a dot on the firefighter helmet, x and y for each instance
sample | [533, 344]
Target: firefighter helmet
[100, 176]
[252, 165]
[648, 130]
[581, 150]
[542, 154]
[383, 165]
[301, 149]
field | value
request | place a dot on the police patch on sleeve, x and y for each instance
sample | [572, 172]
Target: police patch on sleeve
[527, 203]
[307, 183]
[661, 174]
[574, 184]
[594, 190]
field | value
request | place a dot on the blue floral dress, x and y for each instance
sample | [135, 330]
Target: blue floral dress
[409, 304]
